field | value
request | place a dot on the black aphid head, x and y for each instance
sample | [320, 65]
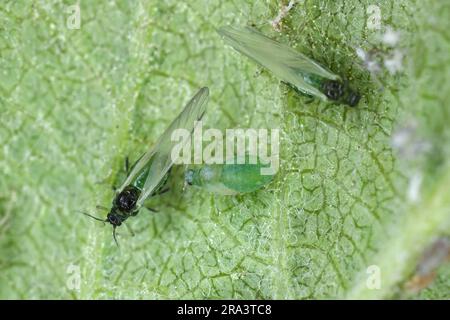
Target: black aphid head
[114, 219]
[127, 199]
[353, 98]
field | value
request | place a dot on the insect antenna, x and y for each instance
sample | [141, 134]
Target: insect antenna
[114, 236]
[93, 217]
[101, 208]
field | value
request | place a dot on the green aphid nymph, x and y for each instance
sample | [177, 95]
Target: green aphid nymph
[291, 66]
[228, 179]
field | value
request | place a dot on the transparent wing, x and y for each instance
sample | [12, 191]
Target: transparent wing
[286, 63]
[160, 154]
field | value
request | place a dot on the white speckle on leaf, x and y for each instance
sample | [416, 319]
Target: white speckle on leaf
[402, 136]
[394, 63]
[276, 23]
[379, 57]
[407, 142]
[361, 54]
[415, 183]
[373, 66]
[390, 37]
[370, 62]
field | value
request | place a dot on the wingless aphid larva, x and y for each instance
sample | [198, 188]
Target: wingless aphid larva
[290, 66]
[234, 177]
[149, 174]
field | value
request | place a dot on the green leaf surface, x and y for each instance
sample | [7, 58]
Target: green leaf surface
[75, 102]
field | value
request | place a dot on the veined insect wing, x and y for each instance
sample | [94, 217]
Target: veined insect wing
[161, 154]
[290, 66]
[284, 62]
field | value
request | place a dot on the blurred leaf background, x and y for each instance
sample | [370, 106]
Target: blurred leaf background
[75, 102]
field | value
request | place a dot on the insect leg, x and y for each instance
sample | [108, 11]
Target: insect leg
[151, 209]
[162, 191]
[310, 100]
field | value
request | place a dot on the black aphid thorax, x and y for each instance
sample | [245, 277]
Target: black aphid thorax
[126, 200]
[114, 218]
[340, 92]
[334, 90]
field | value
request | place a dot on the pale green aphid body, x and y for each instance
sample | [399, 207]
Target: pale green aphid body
[228, 179]
[290, 66]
